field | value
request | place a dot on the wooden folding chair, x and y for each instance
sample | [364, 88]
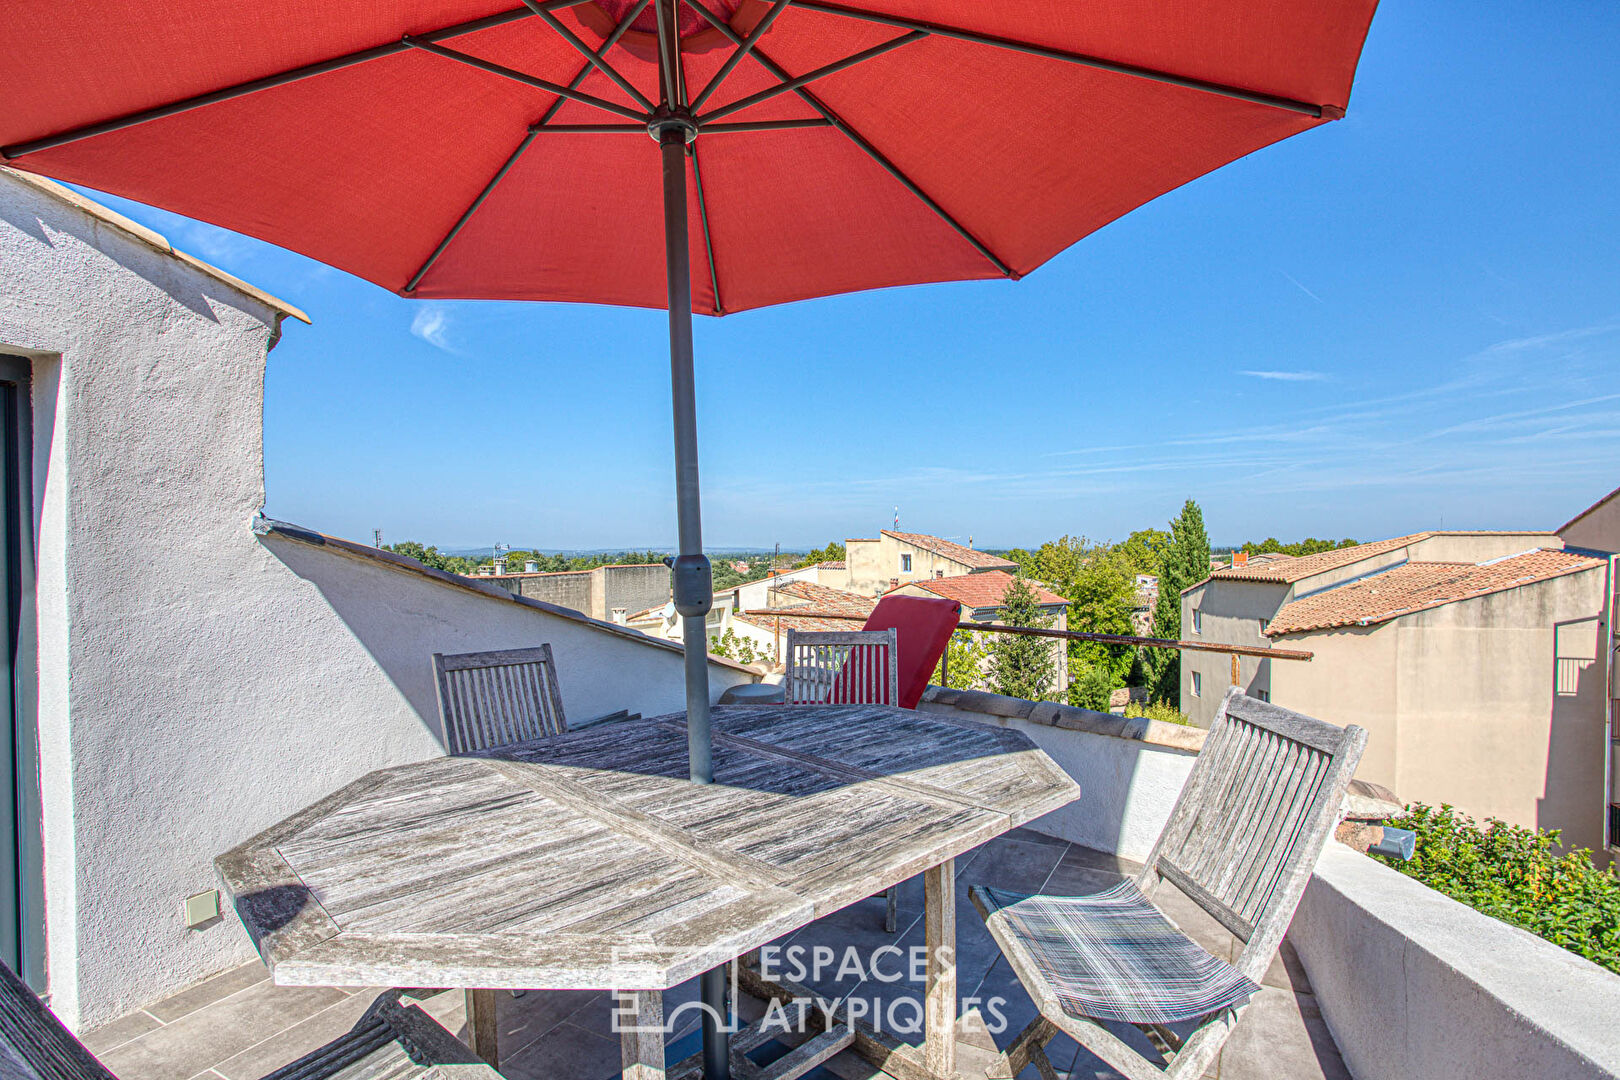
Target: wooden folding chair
[847, 667]
[1241, 843]
[392, 1041]
[491, 699]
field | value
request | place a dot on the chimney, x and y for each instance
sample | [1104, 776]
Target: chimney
[531, 567]
[970, 543]
[939, 575]
[1240, 558]
[621, 616]
[894, 583]
[500, 566]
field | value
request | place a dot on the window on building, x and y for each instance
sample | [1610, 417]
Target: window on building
[1198, 684]
[1262, 695]
[905, 564]
[1198, 621]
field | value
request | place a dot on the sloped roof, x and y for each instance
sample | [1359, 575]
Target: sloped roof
[1288, 568]
[1418, 586]
[953, 551]
[790, 621]
[980, 590]
[1589, 509]
[825, 598]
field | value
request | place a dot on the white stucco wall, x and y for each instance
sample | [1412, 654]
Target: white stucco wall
[1128, 783]
[198, 683]
[1413, 984]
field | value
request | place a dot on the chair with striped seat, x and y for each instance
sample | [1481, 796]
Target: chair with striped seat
[1241, 843]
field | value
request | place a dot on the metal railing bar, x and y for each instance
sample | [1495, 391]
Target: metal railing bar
[1071, 635]
[1135, 71]
[268, 82]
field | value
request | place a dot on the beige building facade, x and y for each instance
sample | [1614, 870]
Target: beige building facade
[895, 558]
[1493, 703]
[1234, 604]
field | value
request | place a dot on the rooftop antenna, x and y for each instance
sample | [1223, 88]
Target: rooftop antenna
[897, 519]
[376, 536]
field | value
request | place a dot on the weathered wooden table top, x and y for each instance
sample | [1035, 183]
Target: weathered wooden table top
[589, 860]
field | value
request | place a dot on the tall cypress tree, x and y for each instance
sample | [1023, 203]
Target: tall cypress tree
[1186, 562]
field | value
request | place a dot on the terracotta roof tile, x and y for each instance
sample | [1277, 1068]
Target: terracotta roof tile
[1417, 586]
[1294, 568]
[824, 597]
[980, 590]
[953, 551]
[796, 622]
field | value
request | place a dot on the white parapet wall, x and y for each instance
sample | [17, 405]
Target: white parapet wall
[1415, 985]
[1130, 770]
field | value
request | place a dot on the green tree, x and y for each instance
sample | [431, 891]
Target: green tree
[1101, 594]
[963, 661]
[734, 647]
[833, 552]
[432, 557]
[1021, 665]
[1144, 550]
[1185, 562]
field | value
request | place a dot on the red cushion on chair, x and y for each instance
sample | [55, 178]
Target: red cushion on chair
[924, 626]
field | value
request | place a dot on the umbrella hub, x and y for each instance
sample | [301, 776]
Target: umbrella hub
[677, 123]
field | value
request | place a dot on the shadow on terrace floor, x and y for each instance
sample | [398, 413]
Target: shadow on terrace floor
[237, 1026]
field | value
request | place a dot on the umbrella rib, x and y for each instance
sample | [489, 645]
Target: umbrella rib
[1135, 71]
[523, 77]
[860, 141]
[268, 82]
[708, 242]
[461, 222]
[737, 54]
[592, 58]
[819, 73]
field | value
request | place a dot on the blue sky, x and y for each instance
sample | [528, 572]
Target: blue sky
[1407, 319]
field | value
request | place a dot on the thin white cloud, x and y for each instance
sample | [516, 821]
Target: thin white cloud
[1542, 341]
[432, 324]
[1286, 376]
[1296, 283]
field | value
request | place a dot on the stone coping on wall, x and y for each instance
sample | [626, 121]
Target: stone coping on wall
[1067, 717]
[263, 526]
[149, 237]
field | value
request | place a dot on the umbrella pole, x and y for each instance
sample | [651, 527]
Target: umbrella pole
[693, 580]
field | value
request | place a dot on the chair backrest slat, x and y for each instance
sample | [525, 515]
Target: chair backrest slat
[490, 699]
[854, 667]
[33, 1043]
[1253, 817]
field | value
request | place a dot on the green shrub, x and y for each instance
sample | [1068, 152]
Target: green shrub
[1159, 710]
[1516, 875]
[1092, 688]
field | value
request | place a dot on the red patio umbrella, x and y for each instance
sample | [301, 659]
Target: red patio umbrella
[499, 148]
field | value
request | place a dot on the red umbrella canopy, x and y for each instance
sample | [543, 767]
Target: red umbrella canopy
[472, 148]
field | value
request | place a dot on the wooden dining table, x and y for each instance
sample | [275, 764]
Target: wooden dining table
[590, 860]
